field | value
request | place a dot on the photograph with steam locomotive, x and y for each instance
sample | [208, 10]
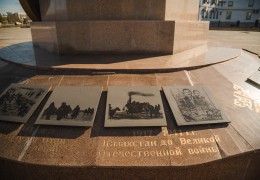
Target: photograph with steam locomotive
[135, 108]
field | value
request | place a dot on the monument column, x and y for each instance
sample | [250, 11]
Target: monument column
[162, 27]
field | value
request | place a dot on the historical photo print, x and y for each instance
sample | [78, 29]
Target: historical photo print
[193, 105]
[134, 106]
[18, 102]
[71, 106]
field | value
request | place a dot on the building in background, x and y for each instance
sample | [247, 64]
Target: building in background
[17, 17]
[235, 13]
[14, 18]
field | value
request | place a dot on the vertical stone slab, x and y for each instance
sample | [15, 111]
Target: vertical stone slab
[73, 37]
[115, 37]
[190, 34]
[67, 10]
[44, 35]
[48, 9]
[183, 10]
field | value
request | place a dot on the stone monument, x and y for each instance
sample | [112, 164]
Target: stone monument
[116, 26]
[216, 151]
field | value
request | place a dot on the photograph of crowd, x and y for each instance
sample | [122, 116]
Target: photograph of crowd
[65, 111]
[19, 101]
[71, 106]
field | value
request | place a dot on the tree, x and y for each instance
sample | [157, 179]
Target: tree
[1, 18]
[8, 19]
[25, 20]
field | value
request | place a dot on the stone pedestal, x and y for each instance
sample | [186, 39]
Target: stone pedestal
[119, 26]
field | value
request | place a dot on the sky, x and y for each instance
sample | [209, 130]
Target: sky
[10, 6]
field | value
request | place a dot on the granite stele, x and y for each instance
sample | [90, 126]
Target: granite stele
[71, 106]
[134, 106]
[194, 105]
[18, 102]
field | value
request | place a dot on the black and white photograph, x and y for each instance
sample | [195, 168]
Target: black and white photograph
[134, 106]
[71, 106]
[18, 102]
[194, 105]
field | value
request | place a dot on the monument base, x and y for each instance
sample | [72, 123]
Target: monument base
[119, 37]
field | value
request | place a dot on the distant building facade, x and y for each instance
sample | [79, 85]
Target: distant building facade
[230, 13]
[16, 17]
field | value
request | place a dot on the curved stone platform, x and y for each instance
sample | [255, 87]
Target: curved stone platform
[27, 55]
[221, 151]
[218, 151]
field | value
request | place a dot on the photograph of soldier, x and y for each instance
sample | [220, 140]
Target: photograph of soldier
[193, 105]
[19, 101]
[133, 106]
[71, 106]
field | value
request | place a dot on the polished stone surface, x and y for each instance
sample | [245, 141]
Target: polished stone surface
[11, 36]
[27, 55]
[189, 34]
[60, 10]
[247, 40]
[143, 38]
[67, 10]
[119, 26]
[30, 151]
[105, 37]
[45, 36]
[21, 51]
[63, 10]
[119, 37]
[219, 151]
[216, 38]
[184, 10]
